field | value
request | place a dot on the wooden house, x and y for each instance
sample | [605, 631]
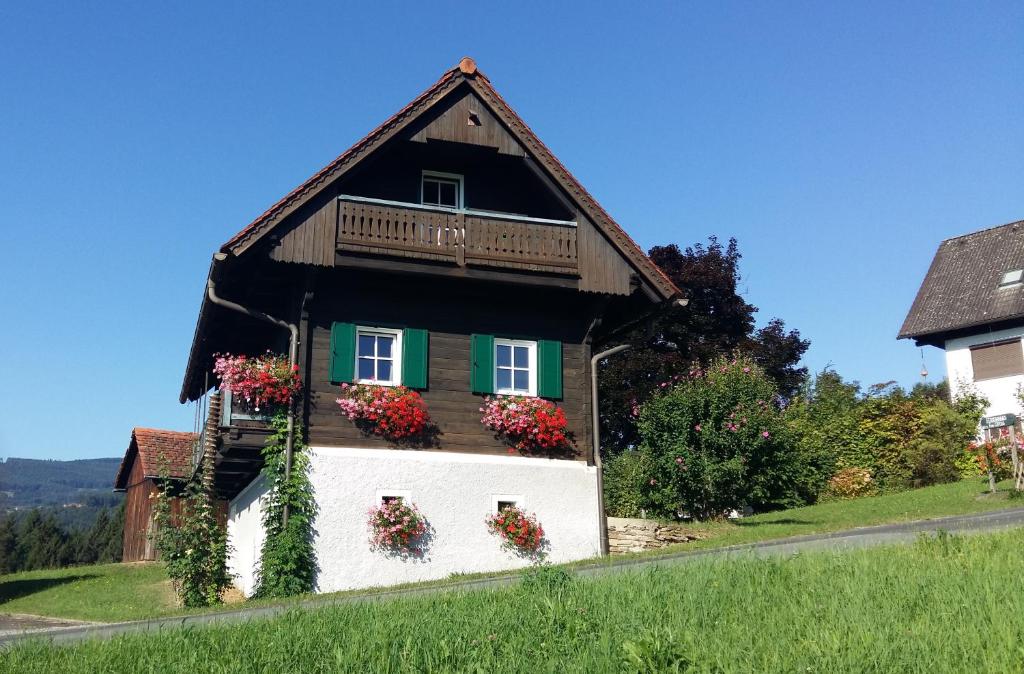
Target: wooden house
[449, 251]
[151, 455]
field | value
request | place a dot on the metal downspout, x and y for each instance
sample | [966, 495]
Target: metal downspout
[603, 519]
[293, 353]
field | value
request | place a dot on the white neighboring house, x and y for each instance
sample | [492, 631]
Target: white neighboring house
[971, 304]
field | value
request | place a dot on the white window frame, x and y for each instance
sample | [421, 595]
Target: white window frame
[532, 364]
[404, 494]
[516, 499]
[450, 177]
[396, 355]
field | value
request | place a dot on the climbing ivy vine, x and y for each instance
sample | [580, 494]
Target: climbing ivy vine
[287, 560]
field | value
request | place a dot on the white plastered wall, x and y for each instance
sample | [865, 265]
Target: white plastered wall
[245, 534]
[1001, 392]
[454, 491]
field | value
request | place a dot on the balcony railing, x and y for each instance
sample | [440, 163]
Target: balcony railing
[459, 236]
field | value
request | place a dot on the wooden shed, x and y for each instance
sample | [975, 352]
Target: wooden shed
[150, 454]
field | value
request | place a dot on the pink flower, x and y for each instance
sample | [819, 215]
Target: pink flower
[653, 482]
[697, 428]
[679, 460]
[765, 434]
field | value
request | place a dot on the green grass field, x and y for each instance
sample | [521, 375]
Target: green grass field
[940, 605]
[135, 591]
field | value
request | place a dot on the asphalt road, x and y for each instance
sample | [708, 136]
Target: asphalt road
[11, 633]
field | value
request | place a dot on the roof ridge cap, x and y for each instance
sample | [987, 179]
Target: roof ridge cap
[983, 230]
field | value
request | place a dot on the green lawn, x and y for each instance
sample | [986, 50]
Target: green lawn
[135, 591]
[957, 498]
[99, 593]
[940, 605]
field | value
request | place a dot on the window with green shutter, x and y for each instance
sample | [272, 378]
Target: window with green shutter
[385, 356]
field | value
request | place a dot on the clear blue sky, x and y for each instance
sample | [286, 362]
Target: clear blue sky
[839, 142]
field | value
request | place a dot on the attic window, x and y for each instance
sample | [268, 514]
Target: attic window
[1012, 277]
[474, 119]
[441, 189]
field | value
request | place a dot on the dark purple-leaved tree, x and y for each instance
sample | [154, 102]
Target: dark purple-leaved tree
[717, 321]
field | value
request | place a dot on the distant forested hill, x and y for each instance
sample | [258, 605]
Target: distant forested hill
[38, 482]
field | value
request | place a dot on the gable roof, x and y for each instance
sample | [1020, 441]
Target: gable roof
[466, 71]
[156, 448]
[962, 287]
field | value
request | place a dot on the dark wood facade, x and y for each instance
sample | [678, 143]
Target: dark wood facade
[525, 254]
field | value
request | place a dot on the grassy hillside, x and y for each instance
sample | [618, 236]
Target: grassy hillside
[941, 605]
[135, 591]
[37, 482]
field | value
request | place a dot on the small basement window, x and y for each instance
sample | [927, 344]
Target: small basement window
[501, 501]
[441, 189]
[515, 367]
[385, 496]
[378, 356]
[1012, 277]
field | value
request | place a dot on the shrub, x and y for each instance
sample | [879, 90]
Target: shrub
[624, 478]
[851, 482]
[717, 441]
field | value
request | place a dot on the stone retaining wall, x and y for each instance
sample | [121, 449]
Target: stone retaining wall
[634, 535]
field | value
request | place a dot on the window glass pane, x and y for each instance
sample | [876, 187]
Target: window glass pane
[366, 345]
[384, 345]
[522, 356]
[504, 356]
[504, 378]
[366, 368]
[448, 197]
[522, 380]
[430, 193]
[384, 370]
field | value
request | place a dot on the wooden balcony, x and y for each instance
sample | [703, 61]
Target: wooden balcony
[457, 236]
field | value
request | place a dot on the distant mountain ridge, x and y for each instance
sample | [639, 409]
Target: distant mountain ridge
[45, 482]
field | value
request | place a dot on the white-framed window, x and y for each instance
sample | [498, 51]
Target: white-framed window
[501, 501]
[441, 189]
[378, 356]
[515, 367]
[389, 495]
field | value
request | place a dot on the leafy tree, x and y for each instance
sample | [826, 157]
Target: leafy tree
[717, 322]
[10, 559]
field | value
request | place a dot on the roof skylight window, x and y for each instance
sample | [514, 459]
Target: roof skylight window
[1012, 277]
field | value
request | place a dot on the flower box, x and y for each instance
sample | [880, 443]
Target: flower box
[519, 532]
[392, 412]
[528, 424]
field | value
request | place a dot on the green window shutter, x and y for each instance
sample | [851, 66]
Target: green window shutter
[549, 368]
[343, 353]
[414, 357]
[481, 370]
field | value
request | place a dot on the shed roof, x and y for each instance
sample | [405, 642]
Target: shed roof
[962, 288]
[159, 451]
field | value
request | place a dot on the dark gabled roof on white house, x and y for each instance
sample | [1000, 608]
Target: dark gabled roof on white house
[963, 287]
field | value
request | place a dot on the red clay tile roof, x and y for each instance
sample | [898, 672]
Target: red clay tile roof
[159, 451]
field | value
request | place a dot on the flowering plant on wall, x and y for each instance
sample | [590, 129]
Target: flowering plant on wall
[529, 424]
[392, 412]
[258, 381]
[396, 527]
[519, 532]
